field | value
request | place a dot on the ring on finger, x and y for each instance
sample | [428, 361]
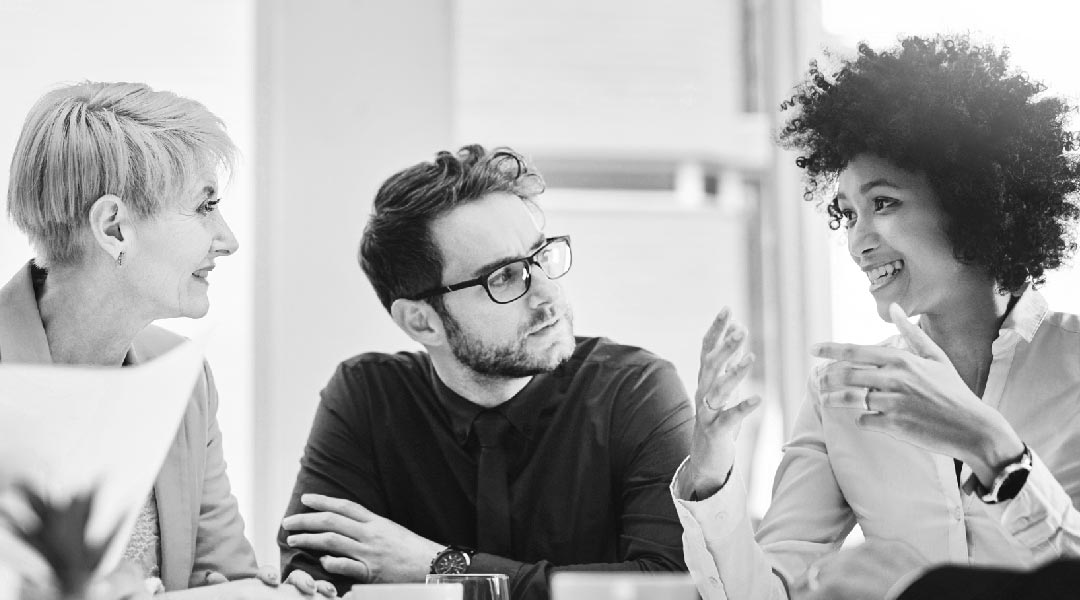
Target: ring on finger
[866, 400]
[708, 404]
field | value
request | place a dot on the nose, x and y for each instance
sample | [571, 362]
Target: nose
[224, 240]
[862, 237]
[542, 290]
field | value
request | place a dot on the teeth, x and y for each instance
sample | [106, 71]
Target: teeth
[885, 270]
[880, 275]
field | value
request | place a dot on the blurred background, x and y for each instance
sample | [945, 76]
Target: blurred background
[652, 123]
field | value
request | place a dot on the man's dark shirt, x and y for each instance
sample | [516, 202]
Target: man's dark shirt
[593, 449]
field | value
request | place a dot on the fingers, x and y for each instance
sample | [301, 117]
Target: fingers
[331, 542]
[323, 521]
[742, 409]
[916, 338]
[338, 565]
[838, 375]
[882, 422]
[301, 581]
[269, 575]
[877, 356]
[340, 506]
[719, 351]
[713, 334]
[870, 402]
[214, 578]
[716, 395]
[309, 586]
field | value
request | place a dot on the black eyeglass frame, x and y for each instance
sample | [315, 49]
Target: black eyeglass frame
[483, 279]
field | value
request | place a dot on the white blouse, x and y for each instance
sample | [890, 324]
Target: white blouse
[834, 474]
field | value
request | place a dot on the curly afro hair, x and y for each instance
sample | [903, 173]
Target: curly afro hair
[995, 151]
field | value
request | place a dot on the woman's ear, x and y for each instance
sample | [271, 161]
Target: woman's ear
[110, 220]
[418, 320]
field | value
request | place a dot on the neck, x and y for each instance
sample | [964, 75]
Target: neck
[86, 318]
[967, 334]
[483, 390]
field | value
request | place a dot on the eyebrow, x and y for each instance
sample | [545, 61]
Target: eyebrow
[873, 183]
[499, 262]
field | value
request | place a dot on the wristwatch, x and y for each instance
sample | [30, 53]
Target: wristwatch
[1009, 481]
[452, 560]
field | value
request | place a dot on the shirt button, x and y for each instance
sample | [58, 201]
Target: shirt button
[958, 513]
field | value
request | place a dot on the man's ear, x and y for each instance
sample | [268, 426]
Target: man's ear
[110, 221]
[419, 321]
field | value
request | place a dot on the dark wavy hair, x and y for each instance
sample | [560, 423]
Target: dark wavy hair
[994, 149]
[397, 250]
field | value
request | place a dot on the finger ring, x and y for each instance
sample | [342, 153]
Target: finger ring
[866, 400]
[812, 574]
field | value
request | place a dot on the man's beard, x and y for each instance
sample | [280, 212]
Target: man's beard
[507, 360]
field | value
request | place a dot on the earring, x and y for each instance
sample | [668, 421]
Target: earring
[120, 259]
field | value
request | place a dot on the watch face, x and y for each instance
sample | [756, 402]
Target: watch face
[452, 561]
[1013, 484]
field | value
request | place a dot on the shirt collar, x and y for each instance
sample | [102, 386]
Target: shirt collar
[1026, 316]
[22, 336]
[522, 410]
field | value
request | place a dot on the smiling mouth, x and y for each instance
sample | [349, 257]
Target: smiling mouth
[882, 275]
[545, 327]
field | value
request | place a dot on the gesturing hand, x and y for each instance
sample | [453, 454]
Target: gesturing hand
[359, 543]
[919, 398]
[716, 423]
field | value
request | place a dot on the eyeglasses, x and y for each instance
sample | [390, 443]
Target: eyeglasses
[510, 281]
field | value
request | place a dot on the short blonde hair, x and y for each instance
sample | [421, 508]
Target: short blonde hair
[84, 141]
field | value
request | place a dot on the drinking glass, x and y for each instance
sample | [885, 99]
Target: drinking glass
[477, 586]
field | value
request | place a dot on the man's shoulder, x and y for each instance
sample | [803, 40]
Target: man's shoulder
[383, 365]
[604, 352]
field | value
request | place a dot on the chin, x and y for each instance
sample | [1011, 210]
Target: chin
[196, 310]
[883, 311]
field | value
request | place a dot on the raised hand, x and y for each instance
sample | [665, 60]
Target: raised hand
[918, 397]
[716, 419]
[359, 543]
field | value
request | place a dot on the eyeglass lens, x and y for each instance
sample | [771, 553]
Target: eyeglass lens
[511, 281]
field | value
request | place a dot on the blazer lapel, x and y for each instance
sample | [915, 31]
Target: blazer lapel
[22, 337]
[173, 491]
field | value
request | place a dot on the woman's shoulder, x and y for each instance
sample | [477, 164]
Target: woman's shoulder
[1063, 321]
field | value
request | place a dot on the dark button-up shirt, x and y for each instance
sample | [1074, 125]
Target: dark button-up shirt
[592, 448]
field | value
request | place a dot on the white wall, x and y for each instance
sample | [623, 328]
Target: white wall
[203, 49]
[348, 93]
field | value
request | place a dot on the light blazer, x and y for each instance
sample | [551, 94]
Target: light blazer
[201, 527]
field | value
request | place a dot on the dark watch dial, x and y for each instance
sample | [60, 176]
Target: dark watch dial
[451, 561]
[1013, 484]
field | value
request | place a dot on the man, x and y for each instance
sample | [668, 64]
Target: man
[508, 446]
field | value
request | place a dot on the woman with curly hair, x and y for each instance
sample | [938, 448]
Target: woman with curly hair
[955, 441]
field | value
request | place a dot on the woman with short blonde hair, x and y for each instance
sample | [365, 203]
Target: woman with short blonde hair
[117, 187]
